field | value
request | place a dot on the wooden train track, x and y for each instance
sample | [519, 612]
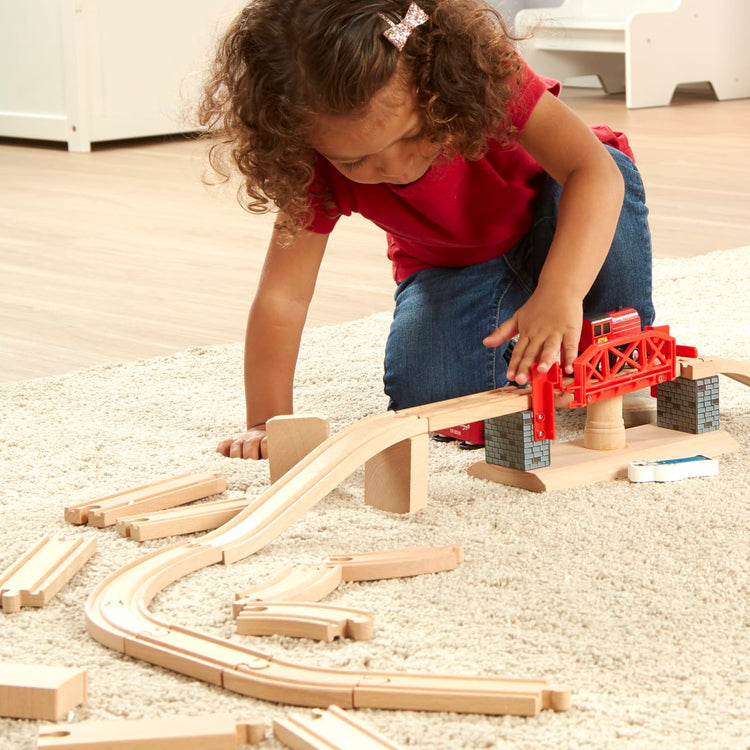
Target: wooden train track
[695, 368]
[117, 613]
[42, 571]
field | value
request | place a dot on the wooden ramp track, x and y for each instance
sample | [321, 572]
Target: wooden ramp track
[117, 612]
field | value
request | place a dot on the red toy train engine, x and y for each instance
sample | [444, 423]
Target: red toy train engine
[598, 329]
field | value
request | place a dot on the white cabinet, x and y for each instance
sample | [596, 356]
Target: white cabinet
[644, 47]
[83, 71]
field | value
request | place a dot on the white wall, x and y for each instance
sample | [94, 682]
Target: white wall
[509, 8]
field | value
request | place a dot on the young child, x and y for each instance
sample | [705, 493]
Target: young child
[507, 218]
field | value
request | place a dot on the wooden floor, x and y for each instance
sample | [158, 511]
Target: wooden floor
[123, 254]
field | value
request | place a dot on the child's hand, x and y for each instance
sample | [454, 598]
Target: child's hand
[548, 327]
[251, 444]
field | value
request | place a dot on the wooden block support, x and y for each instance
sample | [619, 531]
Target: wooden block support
[333, 729]
[31, 691]
[396, 478]
[290, 438]
[166, 493]
[214, 732]
[42, 571]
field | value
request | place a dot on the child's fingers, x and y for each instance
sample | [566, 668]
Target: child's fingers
[569, 352]
[248, 446]
[224, 447]
[245, 448]
[521, 361]
[264, 447]
[550, 353]
[505, 331]
[543, 351]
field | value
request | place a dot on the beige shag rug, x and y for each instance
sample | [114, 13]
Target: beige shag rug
[634, 595]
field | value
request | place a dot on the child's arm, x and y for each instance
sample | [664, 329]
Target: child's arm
[272, 338]
[549, 324]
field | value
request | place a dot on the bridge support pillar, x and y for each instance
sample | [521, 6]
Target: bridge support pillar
[605, 428]
[509, 441]
[396, 478]
[689, 405]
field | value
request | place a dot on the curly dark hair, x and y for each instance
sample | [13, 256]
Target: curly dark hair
[282, 62]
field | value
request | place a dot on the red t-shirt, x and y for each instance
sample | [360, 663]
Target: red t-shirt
[459, 213]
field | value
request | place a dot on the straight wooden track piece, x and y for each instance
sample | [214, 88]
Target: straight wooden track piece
[213, 731]
[398, 563]
[166, 493]
[320, 622]
[333, 729]
[43, 570]
[473, 408]
[511, 696]
[290, 438]
[32, 691]
[177, 521]
[573, 465]
[294, 584]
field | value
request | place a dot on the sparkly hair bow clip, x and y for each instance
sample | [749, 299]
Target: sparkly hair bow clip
[398, 33]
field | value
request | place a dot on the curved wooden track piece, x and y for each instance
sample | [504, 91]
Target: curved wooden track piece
[294, 584]
[286, 604]
[304, 584]
[321, 622]
[117, 612]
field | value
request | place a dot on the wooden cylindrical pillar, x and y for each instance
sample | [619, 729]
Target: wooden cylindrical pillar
[605, 429]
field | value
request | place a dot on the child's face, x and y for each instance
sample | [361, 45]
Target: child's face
[384, 145]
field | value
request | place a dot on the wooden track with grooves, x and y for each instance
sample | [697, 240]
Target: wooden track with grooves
[117, 612]
[695, 368]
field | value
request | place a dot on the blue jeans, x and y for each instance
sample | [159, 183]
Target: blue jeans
[434, 349]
